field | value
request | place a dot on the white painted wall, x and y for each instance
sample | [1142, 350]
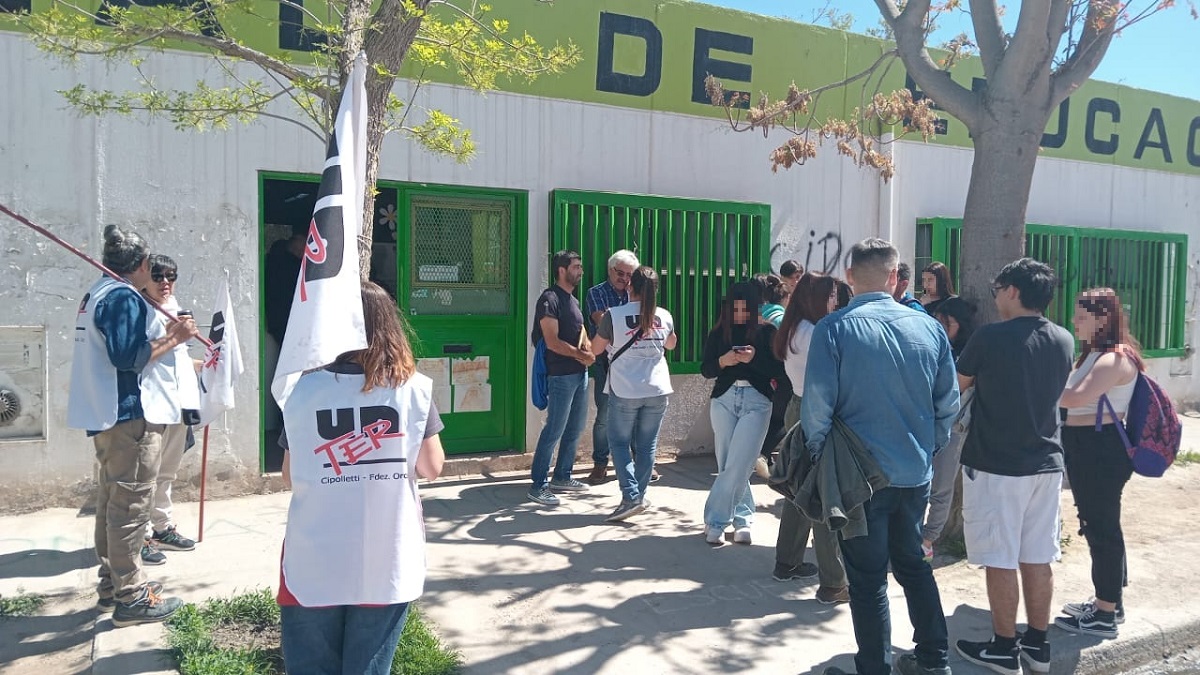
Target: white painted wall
[195, 197]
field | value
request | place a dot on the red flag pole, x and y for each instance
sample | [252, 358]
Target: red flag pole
[203, 482]
[88, 259]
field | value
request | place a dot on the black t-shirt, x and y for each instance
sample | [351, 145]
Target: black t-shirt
[1020, 367]
[283, 271]
[557, 303]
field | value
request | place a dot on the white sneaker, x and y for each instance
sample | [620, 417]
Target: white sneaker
[741, 535]
[762, 468]
[714, 535]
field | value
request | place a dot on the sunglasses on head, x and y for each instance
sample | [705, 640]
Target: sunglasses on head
[169, 276]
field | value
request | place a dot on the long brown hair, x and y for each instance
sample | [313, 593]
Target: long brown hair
[810, 302]
[944, 286]
[748, 293]
[1113, 333]
[388, 360]
[645, 284]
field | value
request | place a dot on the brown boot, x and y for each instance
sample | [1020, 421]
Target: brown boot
[833, 596]
[598, 475]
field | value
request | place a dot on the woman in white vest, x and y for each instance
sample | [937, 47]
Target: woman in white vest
[363, 428]
[636, 336]
[176, 373]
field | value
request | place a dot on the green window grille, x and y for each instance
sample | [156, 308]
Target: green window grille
[698, 247]
[1148, 270]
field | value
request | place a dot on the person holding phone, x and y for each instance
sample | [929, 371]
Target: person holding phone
[737, 353]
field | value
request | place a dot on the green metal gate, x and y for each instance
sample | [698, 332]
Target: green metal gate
[1148, 270]
[698, 247]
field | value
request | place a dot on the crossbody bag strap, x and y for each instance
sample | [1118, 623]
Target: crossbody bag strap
[1101, 406]
[622, 349]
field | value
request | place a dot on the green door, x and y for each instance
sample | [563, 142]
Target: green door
[461, 274]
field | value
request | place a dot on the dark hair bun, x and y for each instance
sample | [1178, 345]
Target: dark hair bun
[124, 249]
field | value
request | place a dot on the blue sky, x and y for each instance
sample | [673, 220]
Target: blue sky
[1161, 53]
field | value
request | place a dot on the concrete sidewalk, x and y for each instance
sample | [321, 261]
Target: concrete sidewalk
[522, 588]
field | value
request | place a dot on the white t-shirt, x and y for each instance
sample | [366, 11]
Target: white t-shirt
[797, 356]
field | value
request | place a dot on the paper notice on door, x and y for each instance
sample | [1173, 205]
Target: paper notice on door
[437, 370]
[442, 399]
[470, 371]
[472, 398]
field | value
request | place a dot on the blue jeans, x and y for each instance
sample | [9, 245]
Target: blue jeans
[894, 534]
[633, 436]
[600, 450]
[341, 639]
[739, 420]
[565, 416]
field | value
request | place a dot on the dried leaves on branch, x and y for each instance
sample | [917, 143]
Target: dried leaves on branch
[857, 137]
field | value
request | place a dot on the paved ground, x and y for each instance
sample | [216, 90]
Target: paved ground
[521, 588]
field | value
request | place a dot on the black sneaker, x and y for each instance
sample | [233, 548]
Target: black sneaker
[1037, 658]
[1089, 624]
[172, 540]
[109, 603]
[151, 555]
[987, 655]
[1078, 609]
[906, 664]
[626, 509]
[149, 608]
[789, 572]
[543, 496]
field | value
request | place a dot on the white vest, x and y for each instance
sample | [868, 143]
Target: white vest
[641, 371]
[92, 402]
[169, 384]
[355, 534]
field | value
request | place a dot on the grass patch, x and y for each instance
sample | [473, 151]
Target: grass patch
[1186, 458]
[422, 652]
[242, 635]
[22, 604]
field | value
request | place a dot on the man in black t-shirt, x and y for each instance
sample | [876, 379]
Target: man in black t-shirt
[1012, 462]
[559, 321]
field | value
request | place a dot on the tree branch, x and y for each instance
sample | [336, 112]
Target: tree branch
[1099, 27]
[1029, 46]
[989, 34]
[909, 31]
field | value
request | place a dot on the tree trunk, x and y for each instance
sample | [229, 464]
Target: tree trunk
[993, 232]
[376, 100]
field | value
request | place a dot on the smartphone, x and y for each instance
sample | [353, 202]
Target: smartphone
[741, 348]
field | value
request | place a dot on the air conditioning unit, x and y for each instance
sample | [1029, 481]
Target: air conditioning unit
[22, 383]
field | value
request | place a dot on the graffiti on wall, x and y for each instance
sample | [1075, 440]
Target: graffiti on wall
[822, 253]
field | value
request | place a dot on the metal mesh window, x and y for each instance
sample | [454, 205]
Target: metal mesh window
[699, 248]
[460, 262]
[1148, 270]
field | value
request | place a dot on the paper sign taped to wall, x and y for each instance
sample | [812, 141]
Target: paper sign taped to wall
[473, 398]
[471, 371]
[442, 399]
[437, 370]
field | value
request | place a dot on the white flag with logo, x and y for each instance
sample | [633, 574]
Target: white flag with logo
[222, 361]
[327, 317]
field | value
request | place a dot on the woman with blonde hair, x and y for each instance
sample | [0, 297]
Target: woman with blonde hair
[364, 428]
[1098, 465]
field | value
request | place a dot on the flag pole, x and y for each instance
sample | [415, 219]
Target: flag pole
[203, 481]
[88, 259]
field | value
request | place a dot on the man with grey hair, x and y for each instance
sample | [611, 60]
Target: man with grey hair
[612, 292]
[886, 372]
[117, 341]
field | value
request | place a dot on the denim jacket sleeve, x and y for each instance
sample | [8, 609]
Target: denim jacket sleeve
[121, 318]
[821, 384]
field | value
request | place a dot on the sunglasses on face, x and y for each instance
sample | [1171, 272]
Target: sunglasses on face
[169, 276]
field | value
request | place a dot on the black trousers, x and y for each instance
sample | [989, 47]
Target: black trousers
[1098, 467]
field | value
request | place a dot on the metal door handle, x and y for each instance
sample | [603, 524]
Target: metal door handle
[457, 348]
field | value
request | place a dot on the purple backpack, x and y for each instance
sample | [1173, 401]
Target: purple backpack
[1152, 431]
